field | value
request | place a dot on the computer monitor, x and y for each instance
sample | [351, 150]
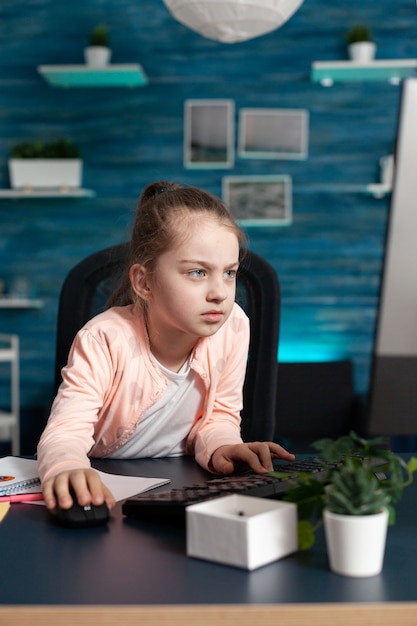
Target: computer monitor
[392, 400]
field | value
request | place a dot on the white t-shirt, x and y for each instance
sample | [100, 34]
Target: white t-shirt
[163, 428]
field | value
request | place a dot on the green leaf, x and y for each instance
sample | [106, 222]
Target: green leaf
[349, 485]
[58, 149]
[305, 533]
[391, 516]
[412, 465]
[309, 498]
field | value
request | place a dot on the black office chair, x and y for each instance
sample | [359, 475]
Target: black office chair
[315, 400]
[90, 283]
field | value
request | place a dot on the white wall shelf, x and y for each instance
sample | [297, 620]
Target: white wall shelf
[46, 193]
[393, 71]
[113, 75]
[377, 190]
[10, 302]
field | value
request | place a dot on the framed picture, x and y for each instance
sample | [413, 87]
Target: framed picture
[273, 133]
[209, 134]
[259, 200]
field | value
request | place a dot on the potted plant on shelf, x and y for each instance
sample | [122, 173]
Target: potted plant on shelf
[98, 52]
[361, 46]
[53, 165]
[354, 499]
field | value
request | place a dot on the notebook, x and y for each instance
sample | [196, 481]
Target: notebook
[18, 476]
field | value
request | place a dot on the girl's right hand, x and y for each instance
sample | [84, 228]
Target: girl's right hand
[85, 483]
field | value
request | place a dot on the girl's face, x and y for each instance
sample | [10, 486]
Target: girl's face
[192, 290]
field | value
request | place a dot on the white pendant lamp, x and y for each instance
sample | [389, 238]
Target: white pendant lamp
[230, 21]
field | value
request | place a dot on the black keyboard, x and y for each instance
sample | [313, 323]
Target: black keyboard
[169, 505]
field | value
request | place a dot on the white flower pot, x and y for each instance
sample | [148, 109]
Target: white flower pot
[45, 173]
[356, 543]
[97, 56]
[362, 51]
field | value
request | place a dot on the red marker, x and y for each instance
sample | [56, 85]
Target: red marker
[22, 497]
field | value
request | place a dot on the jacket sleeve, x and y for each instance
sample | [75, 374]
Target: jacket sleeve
[221, 423]
[69, 433]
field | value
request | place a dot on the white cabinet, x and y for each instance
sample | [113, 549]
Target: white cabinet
[10, 415]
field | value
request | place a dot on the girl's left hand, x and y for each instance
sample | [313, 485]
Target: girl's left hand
[257, 455]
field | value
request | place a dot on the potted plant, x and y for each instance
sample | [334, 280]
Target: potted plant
[354, 503]
[361, 46]
[98, 52]
[34, 164]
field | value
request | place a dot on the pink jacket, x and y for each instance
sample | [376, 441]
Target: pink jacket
[110, 380]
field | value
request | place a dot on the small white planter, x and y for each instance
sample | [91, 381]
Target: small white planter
[356, 543]
[45, 173]
[362, 51]
[97, 56]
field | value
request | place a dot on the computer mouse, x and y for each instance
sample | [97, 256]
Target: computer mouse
[78, 516]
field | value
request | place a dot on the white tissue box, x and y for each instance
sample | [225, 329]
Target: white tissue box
[242, 531]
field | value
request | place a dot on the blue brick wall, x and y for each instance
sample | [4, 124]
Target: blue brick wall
[328, 260]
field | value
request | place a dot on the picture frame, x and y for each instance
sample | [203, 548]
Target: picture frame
[273, 133]
[259, 200]
[209, 134]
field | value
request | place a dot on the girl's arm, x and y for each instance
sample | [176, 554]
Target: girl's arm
[256, 455]
[218, 443]
[69, 433]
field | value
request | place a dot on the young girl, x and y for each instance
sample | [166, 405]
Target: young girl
[161, 372]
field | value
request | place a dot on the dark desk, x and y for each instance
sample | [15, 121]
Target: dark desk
[143, 567]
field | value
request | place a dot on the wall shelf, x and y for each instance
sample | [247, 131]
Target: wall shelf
[378, 190]
[10, 302]
[392, 71]
[16, 194]
[113, 75]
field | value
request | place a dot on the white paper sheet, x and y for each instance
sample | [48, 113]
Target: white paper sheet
[122, 487]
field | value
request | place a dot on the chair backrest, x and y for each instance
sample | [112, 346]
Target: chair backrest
[90, 283]
[326, 407]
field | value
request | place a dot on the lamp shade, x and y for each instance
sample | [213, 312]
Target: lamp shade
[230, 21]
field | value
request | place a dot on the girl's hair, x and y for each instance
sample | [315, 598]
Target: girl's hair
[165, 214]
